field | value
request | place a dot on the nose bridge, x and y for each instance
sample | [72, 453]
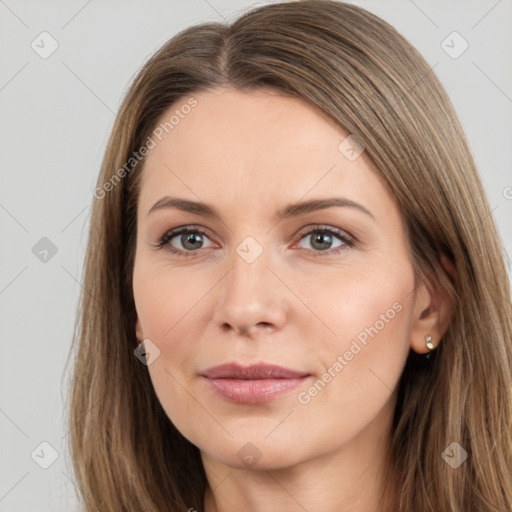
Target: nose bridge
[250, 293]
[248, 267]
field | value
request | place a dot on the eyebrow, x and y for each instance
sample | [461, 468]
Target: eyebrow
[289, 211]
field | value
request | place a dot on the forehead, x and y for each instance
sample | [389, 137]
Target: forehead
[241, 122]
[260, 144]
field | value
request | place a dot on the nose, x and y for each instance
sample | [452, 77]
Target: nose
[253, 301]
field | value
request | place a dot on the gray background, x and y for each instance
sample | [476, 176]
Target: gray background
[56, 114]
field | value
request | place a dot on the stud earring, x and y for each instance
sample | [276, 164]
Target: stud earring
[430, 345]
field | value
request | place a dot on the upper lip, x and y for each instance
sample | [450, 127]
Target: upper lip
[253, 372]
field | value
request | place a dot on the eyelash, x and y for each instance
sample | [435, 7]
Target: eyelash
[348, 241]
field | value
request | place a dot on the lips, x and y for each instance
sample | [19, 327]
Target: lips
[252, 384]
[254, 372]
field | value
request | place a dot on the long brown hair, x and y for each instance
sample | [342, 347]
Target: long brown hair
[361, 73]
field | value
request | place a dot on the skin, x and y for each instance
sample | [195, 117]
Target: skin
[249, 155]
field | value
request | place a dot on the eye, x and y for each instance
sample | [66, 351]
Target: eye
[188, 237]
[322, 239]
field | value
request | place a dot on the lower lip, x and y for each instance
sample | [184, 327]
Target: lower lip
[244, 391]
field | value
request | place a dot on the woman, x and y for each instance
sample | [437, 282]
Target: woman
[226, 358]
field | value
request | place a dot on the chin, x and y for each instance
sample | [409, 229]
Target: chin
[259, 454]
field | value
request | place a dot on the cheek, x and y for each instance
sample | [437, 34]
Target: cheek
[164, 300]
[169, 308]
[373, 314]
[364, 358]
[362, 362]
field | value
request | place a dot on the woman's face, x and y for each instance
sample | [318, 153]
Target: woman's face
[326, 292]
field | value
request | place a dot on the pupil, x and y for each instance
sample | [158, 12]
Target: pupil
[191, 238]
[322, 238]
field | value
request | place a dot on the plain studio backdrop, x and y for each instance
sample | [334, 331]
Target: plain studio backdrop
[65, 68]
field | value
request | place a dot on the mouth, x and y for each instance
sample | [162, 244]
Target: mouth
[252, 384]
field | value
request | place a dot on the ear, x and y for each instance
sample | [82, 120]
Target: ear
[138, 330]
[432, 311]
